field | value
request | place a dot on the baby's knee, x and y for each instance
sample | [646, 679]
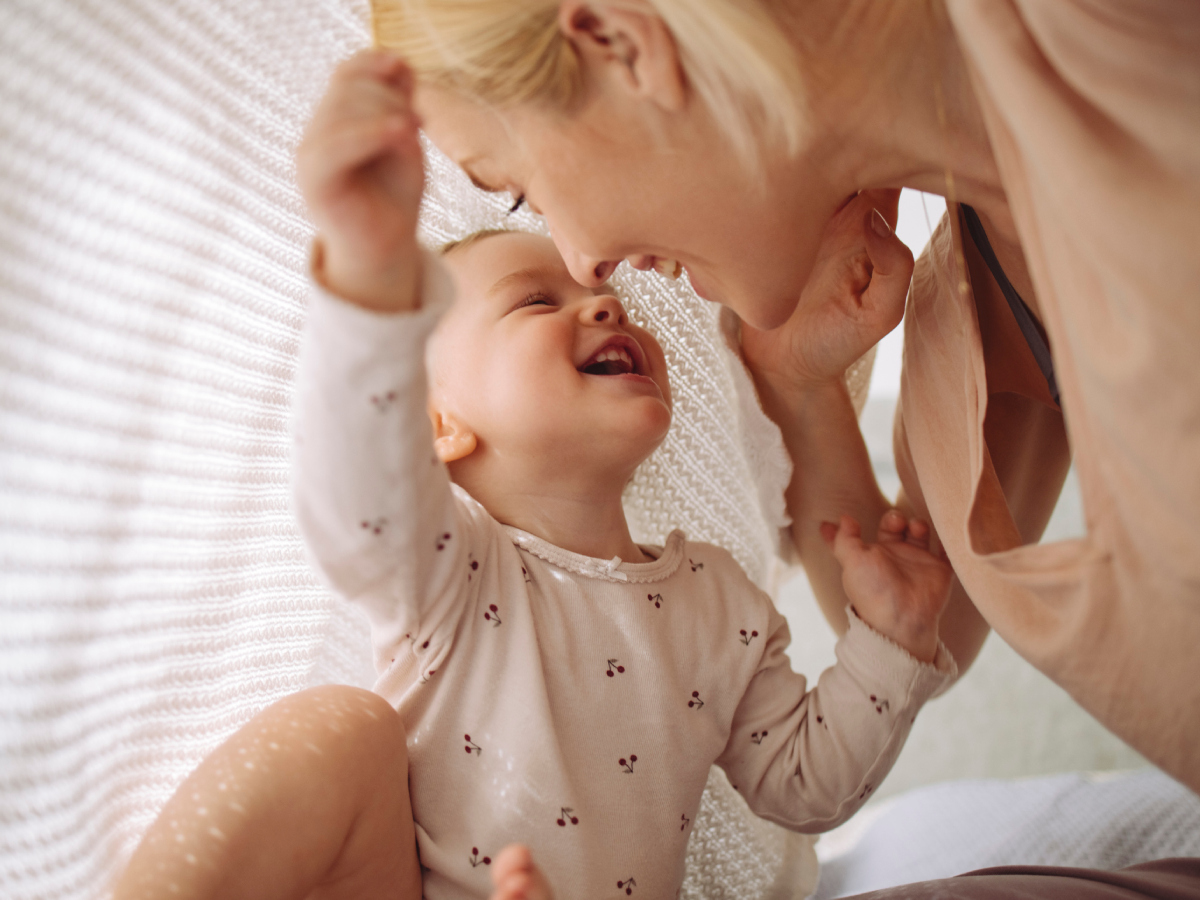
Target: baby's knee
[342, 724]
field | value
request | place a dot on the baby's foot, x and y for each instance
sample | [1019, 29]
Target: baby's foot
[515, 877]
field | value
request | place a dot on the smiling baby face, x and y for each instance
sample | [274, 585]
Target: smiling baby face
[529, 365]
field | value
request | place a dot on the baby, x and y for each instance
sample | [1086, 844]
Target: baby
[558, 684]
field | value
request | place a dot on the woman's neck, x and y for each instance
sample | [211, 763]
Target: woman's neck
[892, 96]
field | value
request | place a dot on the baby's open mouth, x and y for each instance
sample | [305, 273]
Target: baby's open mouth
[621, 356]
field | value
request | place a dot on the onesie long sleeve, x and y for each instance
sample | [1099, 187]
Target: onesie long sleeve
[569, 703]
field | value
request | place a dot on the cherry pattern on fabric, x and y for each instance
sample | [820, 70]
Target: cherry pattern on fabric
[880, 705]
[613, 668]
[686, 822]
[472, 747]
[656, 599]
[747, 638]
[696, 566]
[566, 815]
[696, 702]
[442, 540]
[628, 884]
[382, 402]
[472, 566]
[492, 615]
[627, 764]
[757, 737]
[375, 526]
[474, 859]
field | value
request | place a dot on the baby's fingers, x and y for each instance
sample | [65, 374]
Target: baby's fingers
[325, 161]
[515, 876]
[374, 63]
[919, 533]
[848, 546]
[892, 527]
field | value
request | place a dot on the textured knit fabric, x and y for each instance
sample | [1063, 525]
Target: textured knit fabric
[570, 703]
[1093, 111]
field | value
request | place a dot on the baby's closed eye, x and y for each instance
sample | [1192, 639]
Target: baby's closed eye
[534, 299]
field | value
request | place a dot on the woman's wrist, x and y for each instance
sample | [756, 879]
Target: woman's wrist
[792, 401]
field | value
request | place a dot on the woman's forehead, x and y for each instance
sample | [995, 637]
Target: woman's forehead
[477, 137]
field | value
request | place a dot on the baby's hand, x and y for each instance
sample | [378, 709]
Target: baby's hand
[897, 586]
[361, 173]
[515, 876]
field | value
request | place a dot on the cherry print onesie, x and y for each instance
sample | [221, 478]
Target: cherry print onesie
[569, 703]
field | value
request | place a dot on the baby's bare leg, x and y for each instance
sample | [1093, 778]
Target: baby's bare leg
[308, 800]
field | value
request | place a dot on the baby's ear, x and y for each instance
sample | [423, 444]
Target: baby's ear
[452, 438]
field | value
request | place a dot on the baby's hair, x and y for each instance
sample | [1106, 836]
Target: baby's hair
[471, 239]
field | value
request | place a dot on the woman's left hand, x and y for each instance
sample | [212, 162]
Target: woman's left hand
[853, 298]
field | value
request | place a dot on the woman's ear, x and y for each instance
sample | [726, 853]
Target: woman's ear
[452, 439]
[632, 46]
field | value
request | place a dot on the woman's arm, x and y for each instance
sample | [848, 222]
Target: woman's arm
[855, 296]
[831, 476]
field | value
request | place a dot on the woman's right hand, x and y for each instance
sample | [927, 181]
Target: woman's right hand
[361, 172]
[853, 298]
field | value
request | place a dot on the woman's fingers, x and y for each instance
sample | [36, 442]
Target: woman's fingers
[886, 200]
[891, 271]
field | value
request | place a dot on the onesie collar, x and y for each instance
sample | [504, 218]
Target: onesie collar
[614, 570]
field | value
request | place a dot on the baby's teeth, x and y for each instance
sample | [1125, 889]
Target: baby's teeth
[672, 268]
[614, 354]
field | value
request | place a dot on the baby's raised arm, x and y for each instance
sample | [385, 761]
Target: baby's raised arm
[374, 502]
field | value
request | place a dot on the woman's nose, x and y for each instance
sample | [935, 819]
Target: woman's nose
[603, 308]
[587, 270]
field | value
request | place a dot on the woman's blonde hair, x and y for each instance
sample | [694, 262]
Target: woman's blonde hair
[509, 52]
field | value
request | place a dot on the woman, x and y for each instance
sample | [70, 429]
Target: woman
[1055, 310]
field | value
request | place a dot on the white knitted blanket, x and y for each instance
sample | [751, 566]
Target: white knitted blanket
[154, 593]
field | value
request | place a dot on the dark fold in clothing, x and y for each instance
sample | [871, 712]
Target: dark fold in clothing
[1025, 320]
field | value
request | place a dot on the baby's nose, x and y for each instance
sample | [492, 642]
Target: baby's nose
[604, 308]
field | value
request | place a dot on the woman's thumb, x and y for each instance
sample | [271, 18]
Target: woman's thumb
[892, 268]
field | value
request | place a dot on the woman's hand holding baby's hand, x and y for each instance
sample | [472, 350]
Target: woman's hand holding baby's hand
[361, 172]
[854, 296]
[897, 585]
